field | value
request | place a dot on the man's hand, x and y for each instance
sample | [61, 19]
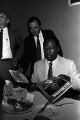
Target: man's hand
[31, 87]
[20, 70]
[64, 77]
[52, 83]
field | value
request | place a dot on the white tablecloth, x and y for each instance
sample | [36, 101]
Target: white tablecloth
[65, 109]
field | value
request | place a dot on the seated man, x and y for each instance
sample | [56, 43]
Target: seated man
[55, 65]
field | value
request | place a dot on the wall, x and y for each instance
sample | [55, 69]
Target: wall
[55, 15]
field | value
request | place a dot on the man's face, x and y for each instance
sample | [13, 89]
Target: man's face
[34, 28]
[3, 20]
[50, 51]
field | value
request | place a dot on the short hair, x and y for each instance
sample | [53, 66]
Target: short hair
[7, 16]
[53, 40]
[33, 18]
[5, 13]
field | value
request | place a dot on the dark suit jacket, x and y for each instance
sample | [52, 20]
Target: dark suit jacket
[29, 55]
[16, 44]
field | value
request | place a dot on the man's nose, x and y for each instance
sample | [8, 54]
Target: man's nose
[49, 51]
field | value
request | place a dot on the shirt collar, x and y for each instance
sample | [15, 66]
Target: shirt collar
[4, 29]
[53, 62]
[40, 35]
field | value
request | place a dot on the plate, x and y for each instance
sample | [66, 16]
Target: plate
[14, 107]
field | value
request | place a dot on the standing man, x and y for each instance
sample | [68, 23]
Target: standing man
[33, 44]
[11, 49]
[12, 45]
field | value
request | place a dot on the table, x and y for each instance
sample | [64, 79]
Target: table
[64, 109]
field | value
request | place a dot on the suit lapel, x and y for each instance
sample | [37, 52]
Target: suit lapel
[11, 38]
[44, 69]
[34, 43]
[58, 67]
[43, 33]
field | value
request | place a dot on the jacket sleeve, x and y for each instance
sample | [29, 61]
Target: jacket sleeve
[25, 57]
[75, 76]
[19, 45]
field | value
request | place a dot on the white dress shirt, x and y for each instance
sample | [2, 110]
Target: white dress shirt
[62, 66]
[41, 39]
[6, 50]
[53, 66]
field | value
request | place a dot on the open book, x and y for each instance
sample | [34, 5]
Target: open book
[47, 88]
[18, 76]
[51, 94]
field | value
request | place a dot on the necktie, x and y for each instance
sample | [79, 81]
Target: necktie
[38, 49]
[1, 36]
[50, 70]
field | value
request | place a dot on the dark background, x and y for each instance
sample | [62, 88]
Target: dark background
[54, 14]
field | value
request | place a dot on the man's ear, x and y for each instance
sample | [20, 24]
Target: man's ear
[7, 21]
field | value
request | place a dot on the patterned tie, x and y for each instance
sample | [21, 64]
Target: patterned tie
[1, 36]
[38, 49]
[50, 70]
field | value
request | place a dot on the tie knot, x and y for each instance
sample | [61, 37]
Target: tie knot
[50, 63]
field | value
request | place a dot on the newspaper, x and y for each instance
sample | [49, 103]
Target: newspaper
[18, 76]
